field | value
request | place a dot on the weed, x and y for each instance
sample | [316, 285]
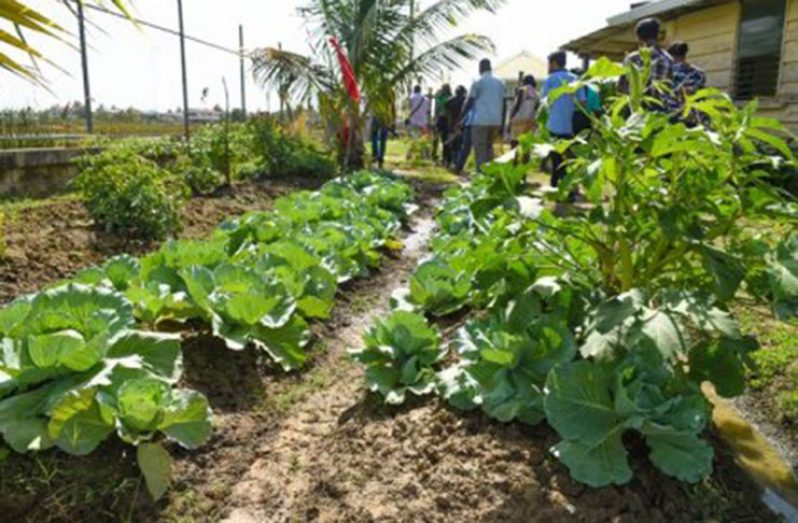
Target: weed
[310, 383]
[296, 463]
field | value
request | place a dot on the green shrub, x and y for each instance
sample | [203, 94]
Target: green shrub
[286, 154]
[221, 149]
[128, 194]
[200, 177]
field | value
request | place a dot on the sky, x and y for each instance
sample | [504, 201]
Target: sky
[140, 67]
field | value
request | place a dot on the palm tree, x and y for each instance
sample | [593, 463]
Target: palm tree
[389, 46]
[24, 18]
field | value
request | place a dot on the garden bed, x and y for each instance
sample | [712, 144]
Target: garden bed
[49, 241]
[316, 447]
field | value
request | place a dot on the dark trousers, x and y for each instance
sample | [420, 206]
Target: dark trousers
[465, 150]
[379, 142]
[558, 170]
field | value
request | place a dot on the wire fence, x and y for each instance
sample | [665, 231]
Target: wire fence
[23, 125]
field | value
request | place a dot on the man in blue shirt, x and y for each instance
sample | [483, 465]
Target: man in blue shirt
[487, 101]
[561, 110]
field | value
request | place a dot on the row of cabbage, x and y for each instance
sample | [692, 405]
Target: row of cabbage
[607, 319]
[85, 358]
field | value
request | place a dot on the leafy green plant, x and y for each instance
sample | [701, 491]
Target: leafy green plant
[264, 275]
[439, 288]
[506, 357]
[130, 195]
[247, 306]
[400, 355]
[783, 277]
[592, 405]
[286, 154]
[201, 178]
[651, 267]
[73, 372]
[3, 243]
[669, 201]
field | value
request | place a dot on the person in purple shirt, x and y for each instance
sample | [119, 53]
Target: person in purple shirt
[561, 110]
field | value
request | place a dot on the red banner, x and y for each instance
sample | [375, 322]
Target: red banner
[350, 81]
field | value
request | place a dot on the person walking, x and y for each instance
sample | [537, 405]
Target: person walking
[486, 99]
[659, 86]
[453, 145]
[587, 105]
[561, 110]
[418, 121]
[466, 143]
[443, 122]
[687, 80]
[522, 117]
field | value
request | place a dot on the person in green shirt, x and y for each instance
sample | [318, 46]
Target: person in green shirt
[442, 120]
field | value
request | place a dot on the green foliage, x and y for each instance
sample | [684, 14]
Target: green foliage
[592, 405]
[507, 356]
[129, 195]
[400, 355]
[626, 300]
[73, 372]
[783, 276]
[439, 288]
[284, 154]
[200, 177]
[75, 369]
[265, 274]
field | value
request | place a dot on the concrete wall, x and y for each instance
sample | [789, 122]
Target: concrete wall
[37, 172]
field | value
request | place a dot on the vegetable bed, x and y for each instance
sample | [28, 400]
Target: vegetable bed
[77, 366]
[49, 241]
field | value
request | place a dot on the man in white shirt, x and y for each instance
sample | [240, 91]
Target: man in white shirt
[487, 101]
[418, 121]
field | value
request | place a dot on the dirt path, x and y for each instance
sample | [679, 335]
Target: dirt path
[282, 478]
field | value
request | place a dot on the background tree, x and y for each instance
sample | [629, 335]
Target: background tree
[389, 47]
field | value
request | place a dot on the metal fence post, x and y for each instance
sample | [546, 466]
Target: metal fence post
[84, 58]
[186, 132]
[243, 72]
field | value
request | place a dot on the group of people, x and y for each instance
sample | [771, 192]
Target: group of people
[671, 81]
[472, 120]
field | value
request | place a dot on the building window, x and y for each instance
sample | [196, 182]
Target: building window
[759, 48]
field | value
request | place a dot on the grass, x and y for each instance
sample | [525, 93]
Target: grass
[55, 484]
[313, 381]
[11, 206]
[776, 372]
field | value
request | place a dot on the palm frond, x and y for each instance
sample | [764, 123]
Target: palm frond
[427, 25]
[290, 73]
[24, 17]
[445, 56]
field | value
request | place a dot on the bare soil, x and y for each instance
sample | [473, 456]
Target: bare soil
[315, 446]
[47, 243]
